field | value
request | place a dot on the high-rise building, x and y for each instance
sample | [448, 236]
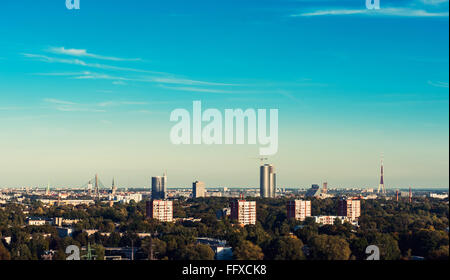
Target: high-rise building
[159, 187]
[267, 181]
[298, 209]
[198, 189]
[325, 188]
[350, 208]
[161, 210]
[244, 212]
[97, 192]
[89, 188]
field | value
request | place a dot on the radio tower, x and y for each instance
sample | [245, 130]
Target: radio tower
[381, 188]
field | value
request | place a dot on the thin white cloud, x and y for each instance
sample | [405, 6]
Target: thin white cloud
[329, 12]
[438, 84]
[196, 89]
[63, 74]
[84, 53]
[171, 80]
[120, 80]
[119, 83]
[433, 2]
[79, 62]
[57, 101]
[117, 103]
[401, 12]
[78, 109]
[157, 77]
[11, 108]
[69, 106]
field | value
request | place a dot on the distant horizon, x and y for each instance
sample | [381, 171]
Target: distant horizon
[234, 187]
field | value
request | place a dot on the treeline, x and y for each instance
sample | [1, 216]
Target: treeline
[399, 229]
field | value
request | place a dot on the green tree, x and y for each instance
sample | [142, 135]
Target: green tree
[325, 247]
[21, 252]
[285, 248]
[439, 254]
[389, 249]
[99, 251]
[246, 250]
[4, 253]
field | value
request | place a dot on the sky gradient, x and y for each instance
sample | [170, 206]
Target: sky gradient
[91, 91]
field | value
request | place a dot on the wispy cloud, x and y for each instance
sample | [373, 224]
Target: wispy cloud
[117, 103]
[157, 77]
[411, 8]
[57, 101]
[438, 84]
[84, 53]
[78, 109]
[74, 61]
[63, 74]
[172, 80]
[69, 106]
[119, 83]
[197, 89]
[11, 108]
[401, 12]
[122, 80]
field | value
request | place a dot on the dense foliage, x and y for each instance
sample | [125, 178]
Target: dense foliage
[399, 229]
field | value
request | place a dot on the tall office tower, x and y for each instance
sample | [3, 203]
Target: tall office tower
[161, 210]
[113, 188]
[381, 188]
[164, 183]
[47, 191]
[198, 189]
[298, 209]
[349, 207]
[159, 187]
[325, 188]
[97, 193]
[244, 212]
[267, 181]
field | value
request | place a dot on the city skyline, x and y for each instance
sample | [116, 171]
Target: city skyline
[158, 184]
[77, 99]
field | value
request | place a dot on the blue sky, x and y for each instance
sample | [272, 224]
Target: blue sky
[91, 90]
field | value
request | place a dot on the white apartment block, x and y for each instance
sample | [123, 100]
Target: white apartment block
[161, 210]
[298, 209]
[244, 212]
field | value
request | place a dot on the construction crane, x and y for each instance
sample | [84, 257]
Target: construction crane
[262, 159]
